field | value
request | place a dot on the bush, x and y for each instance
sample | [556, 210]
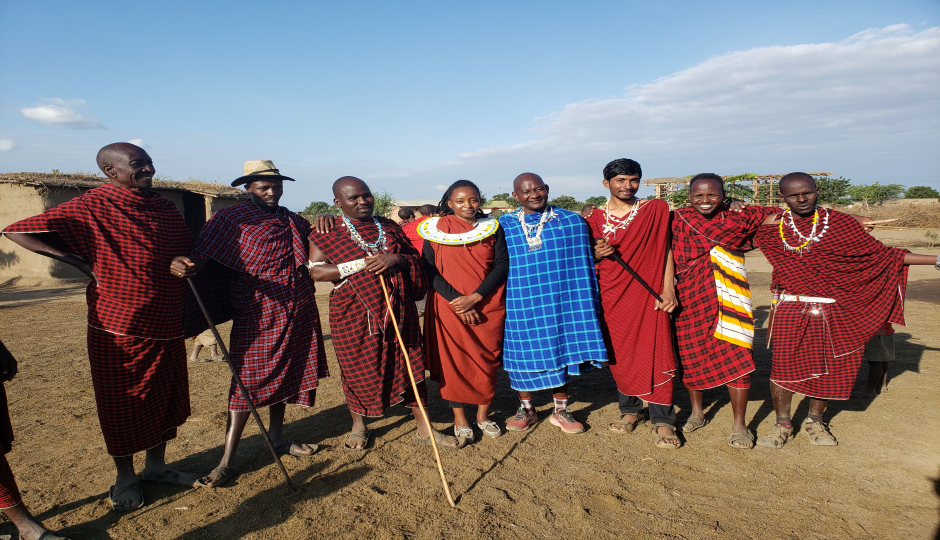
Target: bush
[567, 202]
[921, 192]
[319, 207]
[597, 201]
[833, 190]
[876, 193]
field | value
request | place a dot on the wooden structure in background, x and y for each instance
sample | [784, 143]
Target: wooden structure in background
[766, 196]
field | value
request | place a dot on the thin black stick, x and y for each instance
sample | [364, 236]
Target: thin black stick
[241, 385]
[616, 256]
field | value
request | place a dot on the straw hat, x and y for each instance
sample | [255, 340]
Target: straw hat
[260, 170]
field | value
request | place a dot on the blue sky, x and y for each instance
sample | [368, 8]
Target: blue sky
[412, 96]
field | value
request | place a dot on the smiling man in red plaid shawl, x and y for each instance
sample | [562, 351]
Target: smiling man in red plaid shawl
[123, 236]
[276, 343]
[714, 326]
[358, 248]
[838, 286]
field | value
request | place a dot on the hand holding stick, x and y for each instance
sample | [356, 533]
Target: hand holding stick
[414, 387]
[240, 384]
[616, 256]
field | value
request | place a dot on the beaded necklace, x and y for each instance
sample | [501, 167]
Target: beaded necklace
[370, 248]
[807, 240]
[613, 224]
[535, 240]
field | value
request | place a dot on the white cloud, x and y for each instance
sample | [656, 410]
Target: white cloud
[60, 112]
[868, 103]
[6, 145]
[139, 142]
[441, 187]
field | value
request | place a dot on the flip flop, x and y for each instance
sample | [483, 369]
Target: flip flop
[224, 474]
[693, 424]
[439, 437]
[357, 436]
[49, 535]
[112, 491]
[628, 427]
[166, 476]
[290, 448]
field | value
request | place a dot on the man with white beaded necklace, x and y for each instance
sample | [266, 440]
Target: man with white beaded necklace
[552, 331]
[837, 287]
[352, 252]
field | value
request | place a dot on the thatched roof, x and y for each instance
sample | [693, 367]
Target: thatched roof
[673, 180]
[66, 181]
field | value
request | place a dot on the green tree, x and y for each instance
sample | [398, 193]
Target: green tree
[319, 207]
[833, 190]
[921, 192]
[384, 202]
[567, 202]
[876, 193]
[597, 201]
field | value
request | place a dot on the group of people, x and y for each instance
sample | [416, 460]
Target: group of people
[542, 292]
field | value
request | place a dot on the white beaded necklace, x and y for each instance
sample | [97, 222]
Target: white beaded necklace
[807, 241]
[612, 224]
[535, 240]
[372, 248]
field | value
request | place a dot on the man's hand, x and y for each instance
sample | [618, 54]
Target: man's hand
[8, 367]
[602, 250]
[462, 304]
[863, 220]
[324, 223]
[85, 268]
[381, 264]
[184, 267]
[470, 317]
[737, 206]
[669, 302]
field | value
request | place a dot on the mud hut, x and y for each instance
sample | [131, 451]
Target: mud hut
[26, 194]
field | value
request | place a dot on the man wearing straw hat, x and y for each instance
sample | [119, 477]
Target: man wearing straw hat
[355, 251]
[276, 345]
[135, 310]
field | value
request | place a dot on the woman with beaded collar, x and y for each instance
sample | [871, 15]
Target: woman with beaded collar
[466, 261]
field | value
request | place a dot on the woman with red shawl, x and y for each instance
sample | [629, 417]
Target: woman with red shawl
[466, 260]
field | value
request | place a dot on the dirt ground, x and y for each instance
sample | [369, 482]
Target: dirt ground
[879, 483]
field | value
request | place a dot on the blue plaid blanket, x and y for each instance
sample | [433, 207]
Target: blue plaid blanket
[552, 298]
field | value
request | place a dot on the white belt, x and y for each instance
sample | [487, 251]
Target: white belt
[806, 299]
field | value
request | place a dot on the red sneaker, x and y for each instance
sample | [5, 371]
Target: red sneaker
[524, 419]
[563, 419]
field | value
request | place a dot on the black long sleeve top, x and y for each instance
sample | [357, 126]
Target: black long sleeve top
[496, 276]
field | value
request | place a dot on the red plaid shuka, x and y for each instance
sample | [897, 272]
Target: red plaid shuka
[639, 339]
[818, 354]
[706, 360]
[9, 492]
[276, 342]
[371, 362]
[137, 355]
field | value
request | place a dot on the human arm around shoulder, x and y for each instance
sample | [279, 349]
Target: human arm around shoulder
[36, 244]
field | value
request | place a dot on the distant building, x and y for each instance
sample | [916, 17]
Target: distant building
[27, 194]
[499, 207]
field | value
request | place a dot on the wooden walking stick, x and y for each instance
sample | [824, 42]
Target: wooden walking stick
[414, 387]
[241, 385]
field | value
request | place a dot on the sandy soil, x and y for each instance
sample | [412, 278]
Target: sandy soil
[879, 483]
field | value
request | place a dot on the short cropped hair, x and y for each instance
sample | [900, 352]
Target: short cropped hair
[405, 213]
[624, 166]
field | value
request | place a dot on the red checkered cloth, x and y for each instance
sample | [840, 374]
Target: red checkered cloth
[154, 389]
[639, 339]
[9, 492]
[372, 365]
[129, 238]
[411, 231]
[135, 311]
[276, 342]
[706, 361]
[819, 354]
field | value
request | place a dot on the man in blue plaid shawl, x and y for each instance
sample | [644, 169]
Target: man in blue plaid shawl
[552, 330]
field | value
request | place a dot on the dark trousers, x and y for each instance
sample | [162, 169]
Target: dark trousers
[658, 414]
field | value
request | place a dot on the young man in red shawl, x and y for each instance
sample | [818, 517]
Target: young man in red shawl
[123, 236]
[411, 231]
[837, 287]
[11, 502]
[465, 258]
[714, 325]
[637, 325]
[276, 343]
[352, 253]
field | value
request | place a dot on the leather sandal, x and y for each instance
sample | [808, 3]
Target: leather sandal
[628, 427]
